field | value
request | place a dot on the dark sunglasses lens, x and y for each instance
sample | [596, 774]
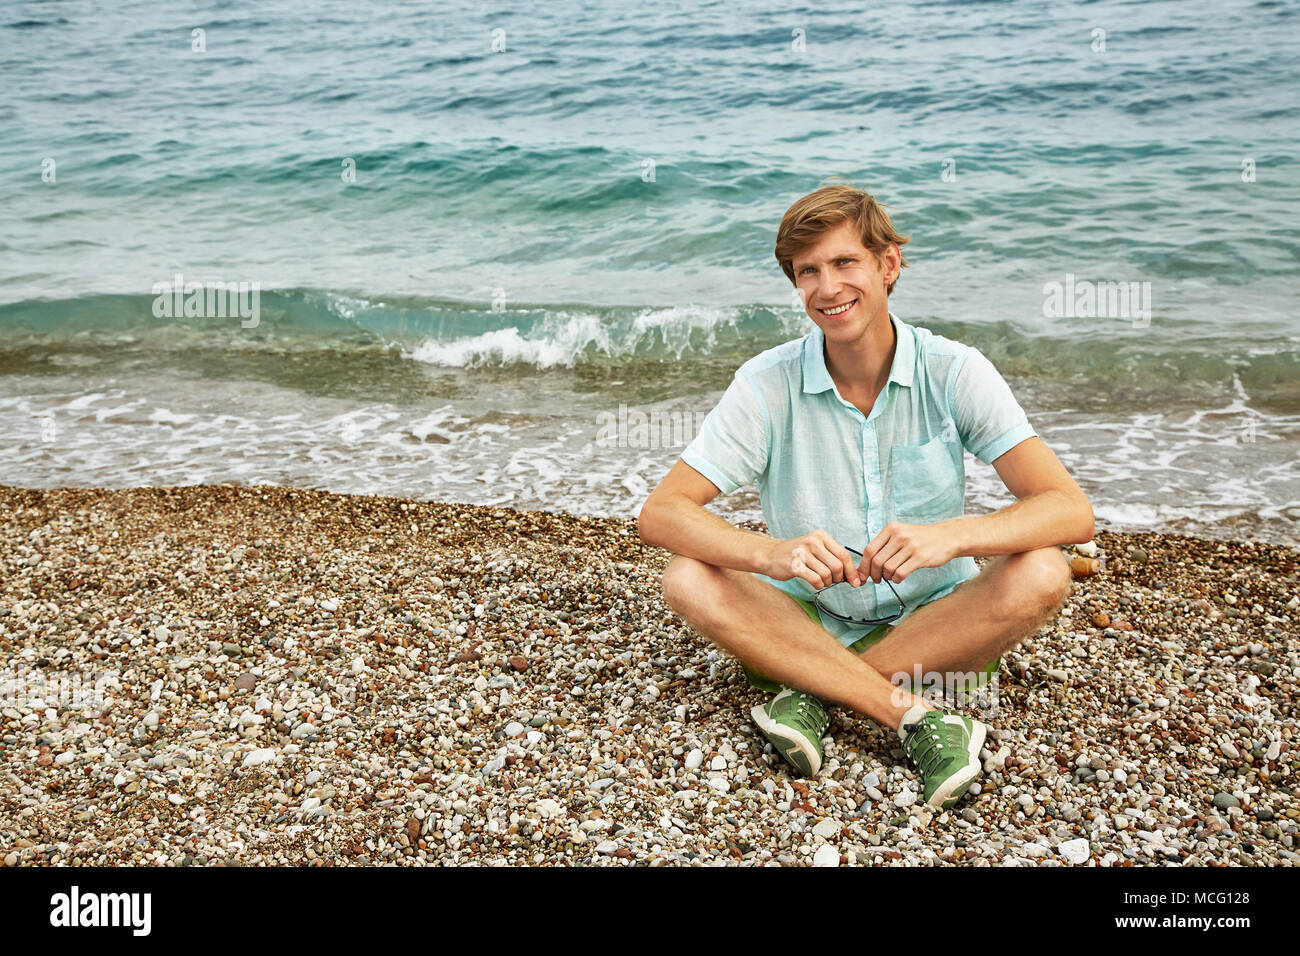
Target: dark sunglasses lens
[857, 603]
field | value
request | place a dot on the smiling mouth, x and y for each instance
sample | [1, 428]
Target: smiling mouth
[838, 309]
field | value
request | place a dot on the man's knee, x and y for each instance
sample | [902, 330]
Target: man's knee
[1037, 581]
[685, 579]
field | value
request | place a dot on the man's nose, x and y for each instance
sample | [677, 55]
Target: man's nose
[827, 287]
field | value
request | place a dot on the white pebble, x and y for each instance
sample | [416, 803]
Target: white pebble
[827, 828]
[826, 855]
[905, 797]
[151, 720]
[1075, 851]
[694, 759]
[718, 763]
[260, 756]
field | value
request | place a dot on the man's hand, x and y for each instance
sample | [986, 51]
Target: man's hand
[901, 548]
[814, 557]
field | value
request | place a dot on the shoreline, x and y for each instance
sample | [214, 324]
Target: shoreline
[501, 686]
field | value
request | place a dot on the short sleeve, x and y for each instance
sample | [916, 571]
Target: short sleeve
[989, 419]
[731, 448]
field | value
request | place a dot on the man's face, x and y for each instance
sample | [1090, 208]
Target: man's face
[839, 271]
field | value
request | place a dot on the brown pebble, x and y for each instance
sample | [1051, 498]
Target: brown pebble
[246, 681]
[413, 829]
[519, 663]
[1205, 607]
[1083, 567]
[469, 656]
[1100, 619]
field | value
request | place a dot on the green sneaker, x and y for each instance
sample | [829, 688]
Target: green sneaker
[795, 722]
[946, 750]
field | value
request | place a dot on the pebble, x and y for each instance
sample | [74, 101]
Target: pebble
[905, 797]
[260, 756]
[1075, 851]
[1225, 801]
[827, 828]
[826, 855]
[394, 750]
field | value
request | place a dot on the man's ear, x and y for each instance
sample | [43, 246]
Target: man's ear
[890, 258]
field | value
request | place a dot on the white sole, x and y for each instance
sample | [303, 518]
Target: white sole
[959, 781]
[783, 739]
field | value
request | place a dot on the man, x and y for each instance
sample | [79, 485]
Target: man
[855, 434]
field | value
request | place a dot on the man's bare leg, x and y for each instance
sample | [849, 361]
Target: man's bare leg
[767, 630]
[1009, 600]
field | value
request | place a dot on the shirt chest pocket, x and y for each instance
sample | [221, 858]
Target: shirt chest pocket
[926, 482]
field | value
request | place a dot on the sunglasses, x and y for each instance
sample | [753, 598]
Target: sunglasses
[870, 622]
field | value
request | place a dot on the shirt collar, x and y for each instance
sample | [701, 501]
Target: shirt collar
[817, 379]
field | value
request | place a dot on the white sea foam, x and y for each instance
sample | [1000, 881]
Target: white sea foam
[1145, 470]
[501, 346]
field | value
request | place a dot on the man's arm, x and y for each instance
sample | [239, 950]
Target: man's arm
[674, 518]
[1052, 508]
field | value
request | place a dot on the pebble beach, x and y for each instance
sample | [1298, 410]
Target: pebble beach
[259, 676]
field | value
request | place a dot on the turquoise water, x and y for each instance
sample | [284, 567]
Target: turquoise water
[505, 273]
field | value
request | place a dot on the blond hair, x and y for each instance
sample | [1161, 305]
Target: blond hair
[817, 213]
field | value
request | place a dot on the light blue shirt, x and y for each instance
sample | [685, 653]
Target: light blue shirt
[819, 463]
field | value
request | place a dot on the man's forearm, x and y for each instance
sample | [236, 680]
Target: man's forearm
[681, 526]
[1038, 521]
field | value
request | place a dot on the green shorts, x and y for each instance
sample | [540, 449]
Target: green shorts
[872, 637]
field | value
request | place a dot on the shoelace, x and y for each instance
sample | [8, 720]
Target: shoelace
[811, 715]
[927, 746]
